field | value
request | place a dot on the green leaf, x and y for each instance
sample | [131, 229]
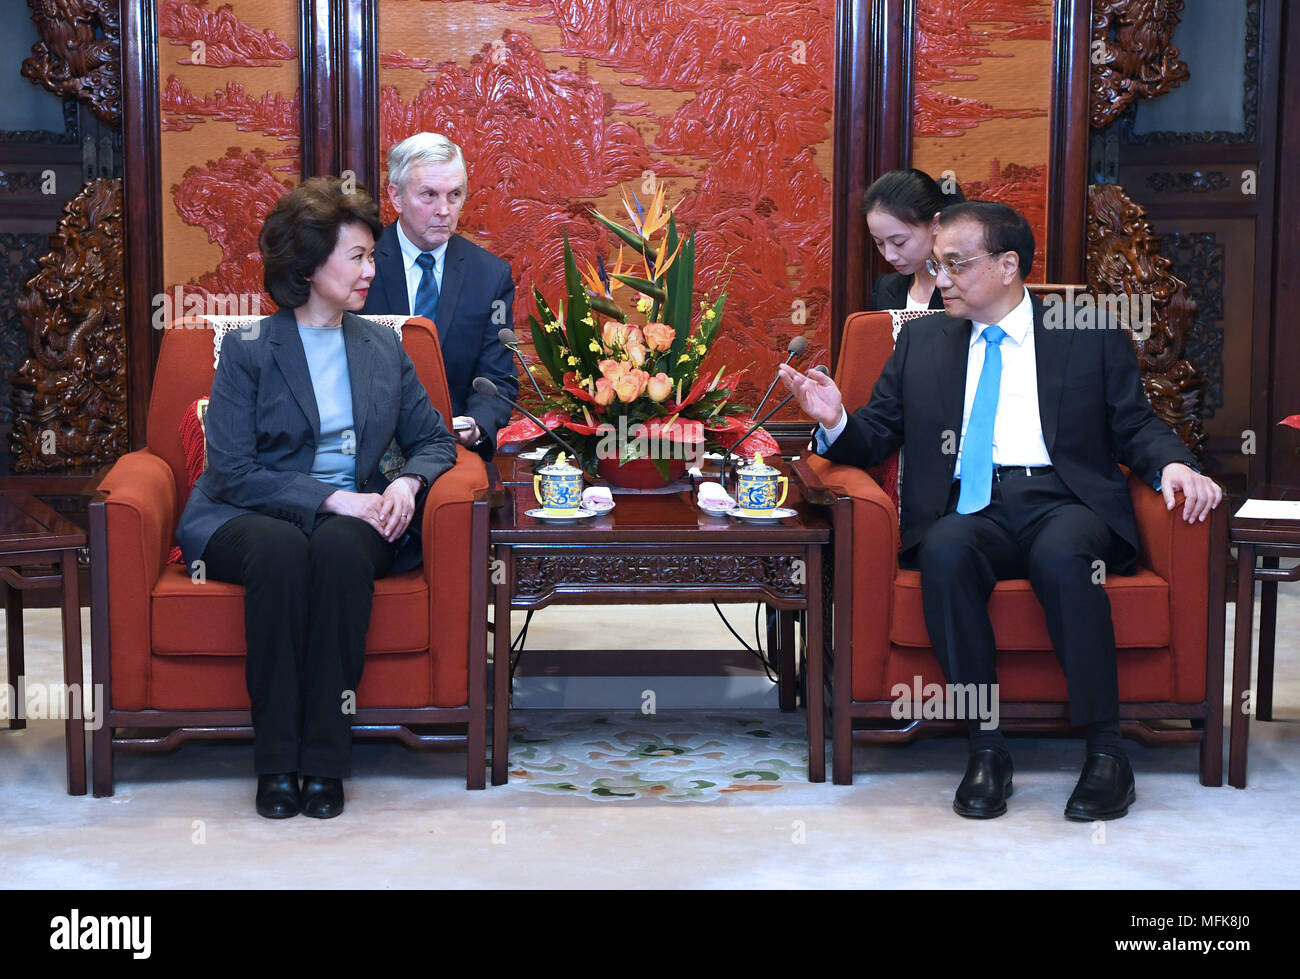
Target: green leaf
[709, 327]
[607, 307]
[642, 285]
[629, 237]
[543, 342]
[580, 333]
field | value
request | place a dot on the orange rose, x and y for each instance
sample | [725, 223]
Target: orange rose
[631, 385]
[634, 336]
[604, 391]
[636, 352]
[614, 335]
[659, 386]
[614, 368]
[659, 336]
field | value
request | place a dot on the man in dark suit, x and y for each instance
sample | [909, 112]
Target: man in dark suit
[423, 268]
[1013, 434]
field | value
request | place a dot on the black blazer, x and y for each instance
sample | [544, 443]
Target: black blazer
[263, 424]
[1091, 406]
[890, 292]
[475, 303]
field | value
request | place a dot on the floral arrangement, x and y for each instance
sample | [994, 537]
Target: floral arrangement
[627, 392]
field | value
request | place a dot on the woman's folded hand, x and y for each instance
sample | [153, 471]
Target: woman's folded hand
[369, 507]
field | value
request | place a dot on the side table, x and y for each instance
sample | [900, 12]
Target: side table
[651, 550]
[38, 549]
[1260, 542]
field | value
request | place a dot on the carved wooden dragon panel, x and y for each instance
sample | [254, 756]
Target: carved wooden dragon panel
[70, 393]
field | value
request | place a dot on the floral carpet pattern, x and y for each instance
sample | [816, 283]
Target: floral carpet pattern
[683, 756]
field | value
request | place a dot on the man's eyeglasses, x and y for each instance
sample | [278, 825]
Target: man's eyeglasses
[951, 269]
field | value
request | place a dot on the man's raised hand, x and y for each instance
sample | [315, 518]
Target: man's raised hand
[816, 393]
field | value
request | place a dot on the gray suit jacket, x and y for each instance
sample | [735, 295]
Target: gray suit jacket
[263, 425]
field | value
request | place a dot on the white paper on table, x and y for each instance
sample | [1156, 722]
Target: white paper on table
[1270, 510]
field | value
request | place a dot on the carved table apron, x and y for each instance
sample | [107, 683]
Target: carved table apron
[655, 549]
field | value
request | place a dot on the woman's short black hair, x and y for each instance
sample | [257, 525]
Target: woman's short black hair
[302, 229]
[1005, 229]
[911, 196]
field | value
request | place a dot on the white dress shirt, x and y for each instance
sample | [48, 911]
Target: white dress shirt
[1017, 429]
[413, 271]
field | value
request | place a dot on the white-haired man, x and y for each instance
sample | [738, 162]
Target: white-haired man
[423, 268]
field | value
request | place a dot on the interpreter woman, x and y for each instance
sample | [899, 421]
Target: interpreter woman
[902, 210]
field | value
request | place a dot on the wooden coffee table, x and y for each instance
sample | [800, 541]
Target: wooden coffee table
[655, 549]
[38, 549]
[1259, 545]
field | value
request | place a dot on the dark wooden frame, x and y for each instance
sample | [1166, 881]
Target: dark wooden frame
[597, 541]
[142, 214]
[199, 725]
[879, 727]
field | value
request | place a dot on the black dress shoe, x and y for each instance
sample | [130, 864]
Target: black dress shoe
[322, 798]
[277, 796]
[984, 790]
[1105, 789]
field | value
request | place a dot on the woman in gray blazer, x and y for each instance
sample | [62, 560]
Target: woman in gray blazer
[292, 504]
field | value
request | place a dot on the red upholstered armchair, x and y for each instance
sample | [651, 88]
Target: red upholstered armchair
[1169, 623]
[170, 652]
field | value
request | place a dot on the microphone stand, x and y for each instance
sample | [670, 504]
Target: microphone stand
[484, 385]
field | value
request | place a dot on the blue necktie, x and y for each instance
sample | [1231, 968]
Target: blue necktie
[426, 296]
[977, 449]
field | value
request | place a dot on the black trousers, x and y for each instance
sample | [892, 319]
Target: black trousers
[1034, 528]
[306, 610]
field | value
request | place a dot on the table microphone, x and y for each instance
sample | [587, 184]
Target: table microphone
[797, 346]
[511, 342]
[758, 424]
[486, 387]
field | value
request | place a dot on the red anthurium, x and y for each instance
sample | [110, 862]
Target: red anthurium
[574, 388]
[684, 430]
[524, 430]
[759, 442]
[1291, 420]
[582, 428]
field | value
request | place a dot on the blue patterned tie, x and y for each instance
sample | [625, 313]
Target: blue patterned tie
[426, 296]
[977, 449]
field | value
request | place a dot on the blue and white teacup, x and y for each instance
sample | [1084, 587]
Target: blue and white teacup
[756, 488]
[558, 488]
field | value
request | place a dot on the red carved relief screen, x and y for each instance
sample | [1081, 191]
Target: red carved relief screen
[982, 87]
[228, 88]
[558, 104]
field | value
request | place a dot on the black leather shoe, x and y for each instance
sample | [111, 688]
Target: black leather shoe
[277, 796]
[1105, 789]
[322, 798]
[984, 790]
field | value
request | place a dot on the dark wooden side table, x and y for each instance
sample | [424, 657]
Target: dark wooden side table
[38, 549]
[1260, 542]
[655, 549]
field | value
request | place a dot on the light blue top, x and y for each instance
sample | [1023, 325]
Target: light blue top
[327, 360]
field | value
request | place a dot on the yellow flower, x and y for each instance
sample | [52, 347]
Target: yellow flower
[683, 358]
[572, 361]
[708, 315]
[594, 347]
[643, 305]
[588, 320]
